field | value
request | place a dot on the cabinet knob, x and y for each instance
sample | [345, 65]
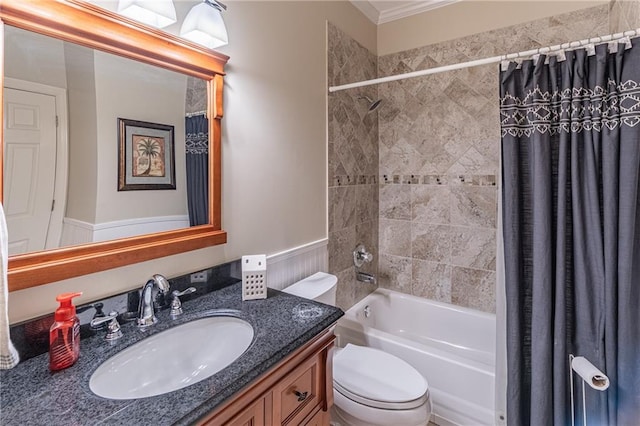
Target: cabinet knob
[301, 395]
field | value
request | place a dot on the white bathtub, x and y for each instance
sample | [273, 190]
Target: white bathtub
[453, 348]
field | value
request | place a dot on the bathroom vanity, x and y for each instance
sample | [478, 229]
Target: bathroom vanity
[284, 377]
[298, 391]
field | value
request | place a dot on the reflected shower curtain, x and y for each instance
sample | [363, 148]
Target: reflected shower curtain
[197, 147]
[571, 223]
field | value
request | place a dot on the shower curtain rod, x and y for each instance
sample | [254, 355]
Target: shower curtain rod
[491, 60]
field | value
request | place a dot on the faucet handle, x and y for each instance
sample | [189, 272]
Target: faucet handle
[361, 255]
[113, 329]
[98, 306]
[176, 305]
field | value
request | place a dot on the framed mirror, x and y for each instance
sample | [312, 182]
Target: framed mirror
[120, 101]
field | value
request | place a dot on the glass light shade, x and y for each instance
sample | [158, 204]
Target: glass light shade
[204, 25]
[157, 13]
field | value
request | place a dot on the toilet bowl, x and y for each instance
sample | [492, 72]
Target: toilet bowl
[371, 387]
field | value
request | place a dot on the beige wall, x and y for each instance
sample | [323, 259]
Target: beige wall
[466, 18]
[83, 146]
[274, 144]
[145, 93]
[48, 54]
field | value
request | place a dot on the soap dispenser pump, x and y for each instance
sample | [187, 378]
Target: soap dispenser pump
[64, 335]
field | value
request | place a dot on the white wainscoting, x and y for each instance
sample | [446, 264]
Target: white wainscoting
[78, 232]
[289, 266]
[75, 232]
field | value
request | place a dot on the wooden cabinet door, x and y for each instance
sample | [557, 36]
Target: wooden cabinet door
[256, 414]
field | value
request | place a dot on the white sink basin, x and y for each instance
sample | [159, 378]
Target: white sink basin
[173, 359]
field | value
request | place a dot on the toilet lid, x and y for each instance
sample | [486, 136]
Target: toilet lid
[378, 379]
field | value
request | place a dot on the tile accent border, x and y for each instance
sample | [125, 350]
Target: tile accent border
[443, 180]
[345, 180]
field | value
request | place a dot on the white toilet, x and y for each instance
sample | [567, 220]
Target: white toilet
[371, 387]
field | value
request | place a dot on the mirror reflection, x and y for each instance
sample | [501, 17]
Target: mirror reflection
[62, 106]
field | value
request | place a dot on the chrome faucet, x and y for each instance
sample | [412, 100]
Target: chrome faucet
[361, 255]
[365, 278]
[146, 308]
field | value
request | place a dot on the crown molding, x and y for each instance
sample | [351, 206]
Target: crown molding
[367, 10]
[398, 12]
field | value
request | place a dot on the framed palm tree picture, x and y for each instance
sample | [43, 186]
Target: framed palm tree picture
[146, 156]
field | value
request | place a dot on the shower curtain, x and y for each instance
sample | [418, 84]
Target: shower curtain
[197, 147]
[571, 222]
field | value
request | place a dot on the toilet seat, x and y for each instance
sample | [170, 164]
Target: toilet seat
[405, 405]
[377, 379]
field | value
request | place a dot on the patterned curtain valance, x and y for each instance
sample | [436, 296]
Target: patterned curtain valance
[197, 143]
[571, 110]
[197, 134]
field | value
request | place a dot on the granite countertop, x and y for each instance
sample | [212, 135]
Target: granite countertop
[32, 395]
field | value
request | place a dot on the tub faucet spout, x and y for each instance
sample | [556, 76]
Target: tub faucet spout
[146, 308]
[365, 278]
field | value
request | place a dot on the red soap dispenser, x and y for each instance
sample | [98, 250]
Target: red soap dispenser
[64, 334]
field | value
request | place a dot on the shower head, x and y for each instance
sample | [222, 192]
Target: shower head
[373, 105]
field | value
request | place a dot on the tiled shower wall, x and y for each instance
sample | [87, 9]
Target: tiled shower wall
[353, 165]
[439, 158]
[438, 153]
[624, 15]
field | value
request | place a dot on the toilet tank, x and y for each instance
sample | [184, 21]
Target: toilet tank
[320, 287]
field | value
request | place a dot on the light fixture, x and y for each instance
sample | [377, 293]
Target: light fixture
[157, 13]
[204, 24]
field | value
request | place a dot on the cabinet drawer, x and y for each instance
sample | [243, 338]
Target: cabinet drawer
[298, 393]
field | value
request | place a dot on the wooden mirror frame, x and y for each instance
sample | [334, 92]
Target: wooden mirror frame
[85, 24]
